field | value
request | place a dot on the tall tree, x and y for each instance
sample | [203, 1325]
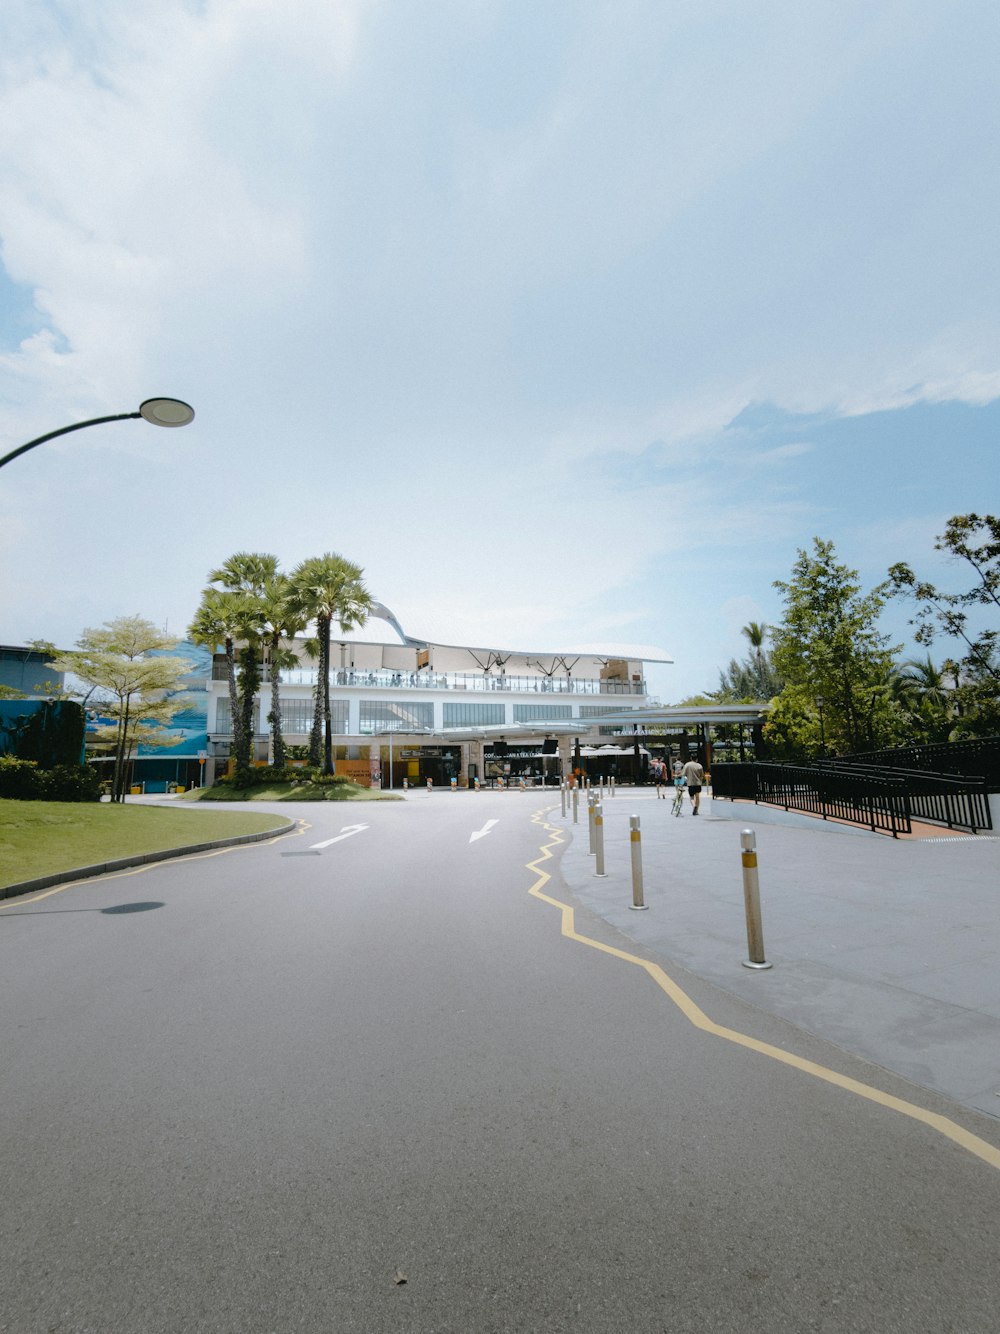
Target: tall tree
[216, 622]
[325, 589]
[829, 648]
[968, 616]
[132, 680]
[281, 622]
[240, 586]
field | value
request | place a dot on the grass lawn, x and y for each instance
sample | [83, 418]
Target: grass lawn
[41, 837]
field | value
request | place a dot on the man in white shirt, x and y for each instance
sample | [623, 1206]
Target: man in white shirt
[694, 776]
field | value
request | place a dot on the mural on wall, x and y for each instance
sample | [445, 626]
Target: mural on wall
[190, 724]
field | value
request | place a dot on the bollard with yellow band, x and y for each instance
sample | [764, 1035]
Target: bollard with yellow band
[599, 840]
[638, 903]
[591, 807]
[751, 897]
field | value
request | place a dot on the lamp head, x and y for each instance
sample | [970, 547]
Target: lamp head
[166, 411]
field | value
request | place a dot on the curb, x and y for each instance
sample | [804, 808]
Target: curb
[141, 859]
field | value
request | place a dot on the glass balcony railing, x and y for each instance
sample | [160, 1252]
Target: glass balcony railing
[476, 681]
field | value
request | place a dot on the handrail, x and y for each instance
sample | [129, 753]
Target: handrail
[386, 679]
[880, 804]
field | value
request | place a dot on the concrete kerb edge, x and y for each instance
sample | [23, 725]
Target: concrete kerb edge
[141, 859]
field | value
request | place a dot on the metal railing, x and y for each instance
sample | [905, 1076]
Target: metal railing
[880, 804]
[956, 801]
[883, 799]
[478, 681]
[978, 757]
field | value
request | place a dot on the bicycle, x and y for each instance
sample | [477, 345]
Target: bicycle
[678, 807]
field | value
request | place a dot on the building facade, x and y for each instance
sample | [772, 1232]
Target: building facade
[416, 710]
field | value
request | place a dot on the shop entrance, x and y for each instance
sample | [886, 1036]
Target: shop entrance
[511, 763]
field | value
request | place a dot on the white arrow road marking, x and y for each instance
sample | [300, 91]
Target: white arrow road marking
[345, 832]
[486, 829]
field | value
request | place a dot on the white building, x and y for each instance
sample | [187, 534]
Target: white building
[415, 710]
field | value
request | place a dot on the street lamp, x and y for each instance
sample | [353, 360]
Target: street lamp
[159, 411]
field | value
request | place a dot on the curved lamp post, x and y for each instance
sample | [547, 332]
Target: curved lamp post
[159, 411]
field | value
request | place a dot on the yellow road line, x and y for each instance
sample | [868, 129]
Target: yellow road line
[301, 828]
[950, 1129]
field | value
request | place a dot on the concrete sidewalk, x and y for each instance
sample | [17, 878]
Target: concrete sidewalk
[888, 948]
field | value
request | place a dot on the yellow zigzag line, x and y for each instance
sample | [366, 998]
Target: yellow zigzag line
[950, 1129]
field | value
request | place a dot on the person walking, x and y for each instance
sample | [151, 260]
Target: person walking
[660, 779]
[694, 776]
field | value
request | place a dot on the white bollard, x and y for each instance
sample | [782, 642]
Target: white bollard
[638, 904]
[751, 897]
[599, 841]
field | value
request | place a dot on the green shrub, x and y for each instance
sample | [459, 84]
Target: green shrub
[19, 779]
[69, 782]
[267, 775]
[23, 780]
[333, 780]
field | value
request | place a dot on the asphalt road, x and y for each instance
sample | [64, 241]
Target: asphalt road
[369, 1086]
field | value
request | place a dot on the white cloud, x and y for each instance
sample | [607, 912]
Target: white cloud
[472, 294]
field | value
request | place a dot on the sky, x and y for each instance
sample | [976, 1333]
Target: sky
[570, 321]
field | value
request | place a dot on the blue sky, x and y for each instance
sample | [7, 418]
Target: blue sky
[570, 321]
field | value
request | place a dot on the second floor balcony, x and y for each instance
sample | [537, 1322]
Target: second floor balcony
[481, 682]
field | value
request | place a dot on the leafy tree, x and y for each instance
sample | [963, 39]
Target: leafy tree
[831, 654]
[969, 616]
[131, 679]
[324, 589]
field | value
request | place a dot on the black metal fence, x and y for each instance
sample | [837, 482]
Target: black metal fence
[879, 803]
[946, 799]
[885, 800]
[976, 758]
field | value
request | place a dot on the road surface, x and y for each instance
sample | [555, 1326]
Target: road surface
[359, 1079]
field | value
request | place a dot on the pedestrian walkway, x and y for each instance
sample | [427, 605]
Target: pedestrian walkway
[888, 948]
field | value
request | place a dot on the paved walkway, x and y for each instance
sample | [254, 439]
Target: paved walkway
[888, 948]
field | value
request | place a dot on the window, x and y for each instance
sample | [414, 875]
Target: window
[384, 715]
[600, 711]
[528, 713]
[473, 715]
[297, 716]
[224, 717]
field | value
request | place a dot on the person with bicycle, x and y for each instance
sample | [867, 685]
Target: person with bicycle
[679, 786]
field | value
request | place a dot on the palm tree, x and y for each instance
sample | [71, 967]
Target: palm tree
[244, 578]
[927, 699]
[281, 622]
[215, 623]
[323, 589]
